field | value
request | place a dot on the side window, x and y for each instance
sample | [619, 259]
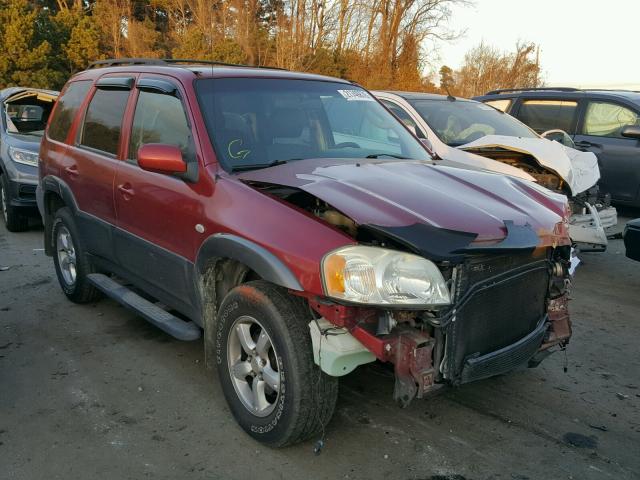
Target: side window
[543, 115]
[66, 109]
[502, 104]
[103, 120]
[159, 118]
[605, 119]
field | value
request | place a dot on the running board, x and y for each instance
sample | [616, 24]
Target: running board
[174, 326]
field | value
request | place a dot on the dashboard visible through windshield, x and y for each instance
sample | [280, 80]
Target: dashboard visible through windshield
[258, 122]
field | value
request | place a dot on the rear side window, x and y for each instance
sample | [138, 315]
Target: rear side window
[604, 119]
[65, 111]
[103, 120]
[543, 115]
[159, 119]
[502, 104]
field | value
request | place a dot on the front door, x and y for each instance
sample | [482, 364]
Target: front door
[158, 214]
[618, 157]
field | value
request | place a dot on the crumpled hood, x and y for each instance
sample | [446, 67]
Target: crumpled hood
[578, 169]
[400, 193]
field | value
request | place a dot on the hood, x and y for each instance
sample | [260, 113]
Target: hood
[26, 142]
[578, 169]
[15, 93]
[401, 193]
[471, 160]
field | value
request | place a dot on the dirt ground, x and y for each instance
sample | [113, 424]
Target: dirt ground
[93, 392]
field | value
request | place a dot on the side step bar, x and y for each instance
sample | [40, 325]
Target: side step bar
[162, 319]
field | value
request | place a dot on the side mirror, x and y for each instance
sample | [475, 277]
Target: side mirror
[160, 158]
[631, 131]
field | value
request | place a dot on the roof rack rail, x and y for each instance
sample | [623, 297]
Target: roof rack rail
[534, 89]
[117, 62]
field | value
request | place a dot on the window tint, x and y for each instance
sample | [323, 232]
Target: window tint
[543, 115]
[103, 121]
[605, 119]
[66, 109]
[159, 119]
[502, 105]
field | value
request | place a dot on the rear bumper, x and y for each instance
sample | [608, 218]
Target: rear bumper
[632, 240]
[587, 230]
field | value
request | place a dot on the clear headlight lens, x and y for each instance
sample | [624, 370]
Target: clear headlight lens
[378, 276]
[23, 156]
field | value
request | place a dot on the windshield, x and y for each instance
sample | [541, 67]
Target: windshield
[459, 122]
[256, 122]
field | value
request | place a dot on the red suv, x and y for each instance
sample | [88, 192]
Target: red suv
[292, 221]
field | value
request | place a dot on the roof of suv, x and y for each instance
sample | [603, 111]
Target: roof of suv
[565, 92]
[195, 68]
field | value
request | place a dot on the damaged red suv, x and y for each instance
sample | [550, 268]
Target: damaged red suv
[301, 229]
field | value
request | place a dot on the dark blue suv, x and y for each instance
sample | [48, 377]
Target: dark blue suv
[605, 122]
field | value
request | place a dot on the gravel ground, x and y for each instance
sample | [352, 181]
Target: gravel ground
[94, 391]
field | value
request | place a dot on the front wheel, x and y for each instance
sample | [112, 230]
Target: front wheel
[13, 219]
[265, 365]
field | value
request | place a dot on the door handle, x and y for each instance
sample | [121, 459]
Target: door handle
[585, 144]
[126, 190]
[72, 171]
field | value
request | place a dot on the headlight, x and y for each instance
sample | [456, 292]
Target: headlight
[23, 156]
[377, 276]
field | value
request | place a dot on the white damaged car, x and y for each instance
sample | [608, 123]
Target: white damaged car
[478, 135]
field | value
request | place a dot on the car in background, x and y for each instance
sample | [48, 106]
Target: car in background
[480, 136]
[605, 122]
[23, 116]
[631, 236]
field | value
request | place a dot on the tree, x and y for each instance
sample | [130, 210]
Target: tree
[486, 68]
[25, 59]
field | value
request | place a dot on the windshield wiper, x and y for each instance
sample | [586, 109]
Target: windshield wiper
[376, 155]
[256, 166]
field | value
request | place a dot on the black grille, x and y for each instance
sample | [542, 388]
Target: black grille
[508, 304]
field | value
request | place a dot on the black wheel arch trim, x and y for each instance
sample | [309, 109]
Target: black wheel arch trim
[54, 184]
[255, 257]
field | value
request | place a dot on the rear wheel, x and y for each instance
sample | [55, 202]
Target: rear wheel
[265, 365]
[70, 259]
[13, 219]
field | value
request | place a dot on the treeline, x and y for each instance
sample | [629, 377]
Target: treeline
[378, 43]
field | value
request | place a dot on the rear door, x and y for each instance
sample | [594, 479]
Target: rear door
[618, 157]
[158, 214]
[90, 163]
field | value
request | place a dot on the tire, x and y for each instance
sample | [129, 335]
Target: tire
[68, 250]
[13, 219]
[305, 397]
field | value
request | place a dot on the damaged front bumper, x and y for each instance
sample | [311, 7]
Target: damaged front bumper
[499, 322]
[588, 229]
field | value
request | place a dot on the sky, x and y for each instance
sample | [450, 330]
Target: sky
[588, 43]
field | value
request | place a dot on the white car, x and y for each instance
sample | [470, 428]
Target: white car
[480, 136]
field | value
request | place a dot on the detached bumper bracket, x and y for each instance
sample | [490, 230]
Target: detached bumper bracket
[505, 359]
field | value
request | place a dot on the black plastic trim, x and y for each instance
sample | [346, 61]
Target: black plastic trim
[257, 258]
[120, 83]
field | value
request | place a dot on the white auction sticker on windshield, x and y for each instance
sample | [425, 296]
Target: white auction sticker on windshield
[356, 95]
